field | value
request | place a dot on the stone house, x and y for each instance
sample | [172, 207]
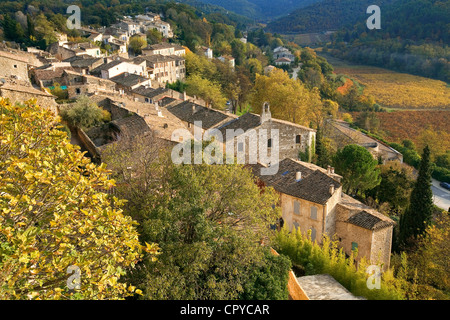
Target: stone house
[283, 61]
[228, 59]
[193, 114]
[293, 138]
[163, 69]
[84, 63]
[47, 77]
[127, 82]
[118, 66]
[311, 199]
[165, 49]
[21, 92]
[83, 84]
[13, 65]
[342, 134]
[282, 52]
[158, 96]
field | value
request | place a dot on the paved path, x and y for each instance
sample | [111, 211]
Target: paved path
[294, 73]
[441, 196]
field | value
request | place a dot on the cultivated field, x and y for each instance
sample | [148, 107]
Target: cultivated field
[400, 125]
[397, 90]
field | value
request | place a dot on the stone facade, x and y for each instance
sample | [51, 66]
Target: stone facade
[293, 138]
[11, 66]
[311, 199]
[18, 93]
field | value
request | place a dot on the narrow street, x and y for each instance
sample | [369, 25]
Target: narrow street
[441, 196]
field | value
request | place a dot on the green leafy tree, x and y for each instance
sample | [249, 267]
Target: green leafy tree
[137, 43]
[54, 213]
[209, 221]
[84, 114]
[268, 280]
[418, 215]
[395, 186]
[357, 167]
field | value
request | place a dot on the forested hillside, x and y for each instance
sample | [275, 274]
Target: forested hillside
[414, 38]
[324, 15]
[261, 9]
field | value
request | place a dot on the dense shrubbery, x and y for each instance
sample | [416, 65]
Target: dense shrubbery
[327, 258]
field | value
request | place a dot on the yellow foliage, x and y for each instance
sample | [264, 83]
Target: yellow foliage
[53, 214]
[399, 90]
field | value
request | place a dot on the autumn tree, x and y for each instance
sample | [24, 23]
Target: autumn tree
[55, 214]
[137, 43]
[357, 167]
[289, 99]
[431, 260]
[209, 91]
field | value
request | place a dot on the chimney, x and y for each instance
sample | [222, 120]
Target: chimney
[193, 108]
[160, 114]
[298, 176]
[265, 115]
[331, 189]
[332, 170]
[329, 170]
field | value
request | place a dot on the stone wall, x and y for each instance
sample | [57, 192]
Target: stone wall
[13, 68]
[88, 144]
[381, 246]
[303, 220]
[44, 101]
[288, 148]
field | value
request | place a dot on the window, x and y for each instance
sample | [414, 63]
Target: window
[296, 225]
[15, 66]
[298, 139]
[269, 143]
[240, 147]
[354, 246]
[314, 212]
[313, 234]
[147, 100]
[296, 207]
[78, 90]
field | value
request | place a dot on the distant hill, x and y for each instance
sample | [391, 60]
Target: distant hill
[325, 15]
[261, 9]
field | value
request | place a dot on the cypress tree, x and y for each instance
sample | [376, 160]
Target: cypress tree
[417, 216]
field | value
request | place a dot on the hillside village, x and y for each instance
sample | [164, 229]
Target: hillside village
[134, 90]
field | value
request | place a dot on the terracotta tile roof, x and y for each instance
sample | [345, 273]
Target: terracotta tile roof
[252, 121]
[191, 112]
[362, 215]
[314, 185]
[41, 74]
[369, 221]
[128, 79]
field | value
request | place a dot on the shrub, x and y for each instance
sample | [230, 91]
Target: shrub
[328, 258]
[84, 114]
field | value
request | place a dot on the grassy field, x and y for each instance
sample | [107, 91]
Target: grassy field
[394, 90]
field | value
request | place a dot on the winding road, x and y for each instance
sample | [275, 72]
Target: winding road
[441, 196]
